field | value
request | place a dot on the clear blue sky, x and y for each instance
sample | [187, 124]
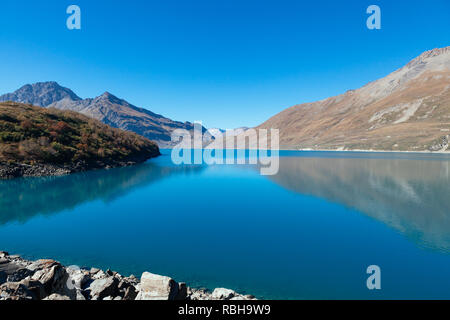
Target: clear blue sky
[229, 63]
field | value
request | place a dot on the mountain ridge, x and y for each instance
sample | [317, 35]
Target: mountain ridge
[107, 108]
[40, 94]
[408, 110]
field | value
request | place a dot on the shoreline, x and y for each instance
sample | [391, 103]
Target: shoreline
[370, 151]
[47, 279]
[332, 150]
[21, 170]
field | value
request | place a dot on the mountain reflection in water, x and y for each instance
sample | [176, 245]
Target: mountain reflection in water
[22, 199]
[410, 195]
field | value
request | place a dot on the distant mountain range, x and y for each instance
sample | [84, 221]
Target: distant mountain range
[107, 108]
[217, 132]
[408, 110]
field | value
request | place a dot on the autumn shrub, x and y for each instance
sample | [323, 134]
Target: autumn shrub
[34, 134]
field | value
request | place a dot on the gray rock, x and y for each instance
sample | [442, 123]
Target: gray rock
[130, 293]
[156, 287]
[35, 287]
[9, 267]
[131, 280]
[12, 271]
[55, 280]
[198, 294]
[94, 271]
[42, 264]
[80, 295]
[77, 277]
[56, 296]
[99, 275]
[223, 294]
[102, 288]
[19, 275]
[15, 291]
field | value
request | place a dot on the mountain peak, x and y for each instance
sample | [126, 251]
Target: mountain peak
[435, 52]
[40, 94]
[107, 108]
[46, 85]
[110, 97]
[429, 54]
[107, 94]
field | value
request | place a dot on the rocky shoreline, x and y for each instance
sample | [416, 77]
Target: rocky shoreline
[46, 279]
[17, 170]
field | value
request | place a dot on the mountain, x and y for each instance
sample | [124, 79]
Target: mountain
[107, 108]
[120, 114]
[408, 110]
[40, 94]
[217, 132]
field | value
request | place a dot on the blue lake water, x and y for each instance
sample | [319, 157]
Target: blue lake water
[308, 232]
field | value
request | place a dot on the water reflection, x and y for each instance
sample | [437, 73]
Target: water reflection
[21, 199]
[412, 196]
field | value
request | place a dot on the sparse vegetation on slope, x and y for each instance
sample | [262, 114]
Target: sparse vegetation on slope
[408, 110]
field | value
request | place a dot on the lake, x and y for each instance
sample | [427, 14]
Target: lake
[309, 232]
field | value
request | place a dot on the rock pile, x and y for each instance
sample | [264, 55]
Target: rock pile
[10, 171]
[44, 279]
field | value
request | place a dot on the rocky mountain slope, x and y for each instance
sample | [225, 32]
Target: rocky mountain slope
[35, 141]
[408, 110]
[40, 94]
[107, 108]
[218, 132]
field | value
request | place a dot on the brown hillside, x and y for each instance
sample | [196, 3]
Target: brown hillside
[409, 110]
